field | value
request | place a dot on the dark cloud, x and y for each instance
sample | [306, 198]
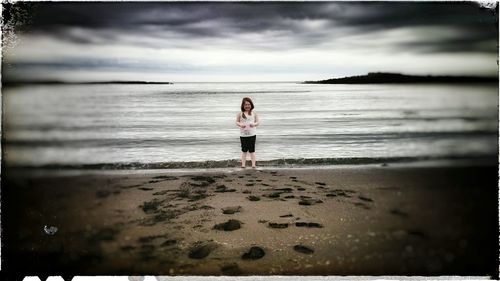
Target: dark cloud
[99, 65]
[293, 20]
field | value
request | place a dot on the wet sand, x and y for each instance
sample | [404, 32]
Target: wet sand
[364, 220]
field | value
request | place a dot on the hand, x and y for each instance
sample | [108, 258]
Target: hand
[252, 125]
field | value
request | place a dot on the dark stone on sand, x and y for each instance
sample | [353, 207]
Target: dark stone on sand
[230, 225]
[362, 205]
[223, 188]
[305, 202]
[201, 251]
[340, 192]
[203, 178]
[196, 197]
[253, 198]
[398, 212]
[301, 189]
[231, 210]
[145, 188]
[201, 184]
[293, 178]
[255, 253]
[169, 243]
[231, 269]
[265, 184]
[274, 195]
[164, 216]
[303, 249]
[320, 183]
[285, 189]
[286, 216]
[163, 192]
[365, 198]
[277, 225]
[308, 224]
[151, 206]
[102, 193]
[246, 192]
[289, 196]
[344, 190]
[250, 184]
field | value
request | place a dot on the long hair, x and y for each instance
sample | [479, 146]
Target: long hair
[246, 99]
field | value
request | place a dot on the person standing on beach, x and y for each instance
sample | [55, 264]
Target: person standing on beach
[247, 120]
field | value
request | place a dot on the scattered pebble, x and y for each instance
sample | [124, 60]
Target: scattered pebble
[365, 198]
[253, 198]
[201, 251]
[274, 195]
[278, 225]
[303, 249]
[255, 253]
[308, 224]
[230, 225]
[231, 210]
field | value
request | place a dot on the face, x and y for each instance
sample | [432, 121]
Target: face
[247, 106]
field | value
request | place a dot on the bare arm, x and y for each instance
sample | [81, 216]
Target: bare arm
[256, 120]
[238, 121]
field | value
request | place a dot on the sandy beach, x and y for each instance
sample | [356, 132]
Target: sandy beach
[357, 220]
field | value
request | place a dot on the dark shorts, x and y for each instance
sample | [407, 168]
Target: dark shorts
[248, 144]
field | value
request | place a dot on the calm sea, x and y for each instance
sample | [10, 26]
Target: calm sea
[136, 125]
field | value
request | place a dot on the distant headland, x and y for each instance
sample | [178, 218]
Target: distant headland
[397, 78]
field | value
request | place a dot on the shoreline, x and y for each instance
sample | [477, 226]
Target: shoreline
[368, 220]
[232, 165]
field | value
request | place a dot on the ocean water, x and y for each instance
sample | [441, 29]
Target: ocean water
[134, 125]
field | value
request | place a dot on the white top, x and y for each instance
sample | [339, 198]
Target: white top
[248, 131]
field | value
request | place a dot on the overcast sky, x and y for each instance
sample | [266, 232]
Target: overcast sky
[238, 41]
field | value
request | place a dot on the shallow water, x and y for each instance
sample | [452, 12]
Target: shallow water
[189, 122]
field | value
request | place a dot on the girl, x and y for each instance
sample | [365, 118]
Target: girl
[247, 120]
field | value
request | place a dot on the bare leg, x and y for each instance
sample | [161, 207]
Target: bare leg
[252, 156]
[243, 159]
